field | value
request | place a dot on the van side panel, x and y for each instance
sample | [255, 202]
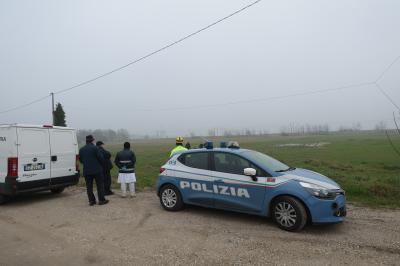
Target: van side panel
[8, 148]
[33, 156]
[63, 148]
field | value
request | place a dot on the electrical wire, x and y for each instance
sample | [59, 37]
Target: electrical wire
[137, 60]
[221, 104]
[24, 105]
[387, 69]
[159, 50]
[386, 95]
[262, 99]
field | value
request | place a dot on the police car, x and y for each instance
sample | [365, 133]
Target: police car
[251, 182]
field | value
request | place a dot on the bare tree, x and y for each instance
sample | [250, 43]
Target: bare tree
[390, 140]
[381, 126]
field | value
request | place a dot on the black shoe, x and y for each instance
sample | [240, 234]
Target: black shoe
[103, 202]
[108, 193]
[92, 203]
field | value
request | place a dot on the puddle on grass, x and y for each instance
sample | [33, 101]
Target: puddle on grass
[307, 145]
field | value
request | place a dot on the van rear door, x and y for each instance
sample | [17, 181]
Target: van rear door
[63, 150]
[33, 157]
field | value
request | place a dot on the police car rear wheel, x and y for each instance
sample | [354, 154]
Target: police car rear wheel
[289, 214]
[170, 198]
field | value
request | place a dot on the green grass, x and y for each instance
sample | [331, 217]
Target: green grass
[363, 164]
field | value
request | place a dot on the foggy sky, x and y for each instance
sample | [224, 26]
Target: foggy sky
[274, 48]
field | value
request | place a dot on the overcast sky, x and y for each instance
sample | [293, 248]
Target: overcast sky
[274, 48]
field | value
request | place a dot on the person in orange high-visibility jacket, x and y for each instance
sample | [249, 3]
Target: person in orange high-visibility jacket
[179, 146]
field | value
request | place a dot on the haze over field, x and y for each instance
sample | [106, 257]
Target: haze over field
[274, 48]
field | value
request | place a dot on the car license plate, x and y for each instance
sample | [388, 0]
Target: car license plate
[34, 167]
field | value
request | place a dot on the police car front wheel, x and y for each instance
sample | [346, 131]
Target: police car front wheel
[170, 198]
[289, 213]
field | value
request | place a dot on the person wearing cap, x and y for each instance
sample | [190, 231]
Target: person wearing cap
[188, 146]
[107, 166]
[125, 160]
[92, 159]
[179, 146]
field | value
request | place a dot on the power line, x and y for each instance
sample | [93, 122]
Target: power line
[262, 99]
[222, 104]
[381, 76]
[159, 50]
[386, 95]
[387, 69]
[137, 60]
[25, 105]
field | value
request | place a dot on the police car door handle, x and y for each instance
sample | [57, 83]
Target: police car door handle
[219, 181]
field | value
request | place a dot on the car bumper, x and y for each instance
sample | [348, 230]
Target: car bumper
[327, 211]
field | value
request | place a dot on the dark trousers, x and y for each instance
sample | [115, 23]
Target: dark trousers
[107, 181]
[99, 184]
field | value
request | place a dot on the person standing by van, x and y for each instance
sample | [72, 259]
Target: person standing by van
[107, 166]
[125, 161]
[92, 160]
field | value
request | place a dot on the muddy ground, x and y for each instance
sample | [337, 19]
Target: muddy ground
[46, 229]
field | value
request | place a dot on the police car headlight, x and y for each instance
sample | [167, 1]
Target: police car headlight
[318, 191]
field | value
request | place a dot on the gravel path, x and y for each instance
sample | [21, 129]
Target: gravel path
[46, 229]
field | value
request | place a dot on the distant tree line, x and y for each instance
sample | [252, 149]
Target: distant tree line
[105, 135]
[293, 129]
[215, 132]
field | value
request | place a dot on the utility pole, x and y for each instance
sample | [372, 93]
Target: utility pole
[52, 106]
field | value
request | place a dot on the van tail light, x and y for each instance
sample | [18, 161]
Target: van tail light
[77, 163]
[162, 170]
[12, 167]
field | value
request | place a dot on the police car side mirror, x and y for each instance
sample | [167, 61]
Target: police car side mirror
[251, 172]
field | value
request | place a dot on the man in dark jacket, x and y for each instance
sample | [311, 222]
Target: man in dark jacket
[92, 160]
[107, 166]
[125, 160]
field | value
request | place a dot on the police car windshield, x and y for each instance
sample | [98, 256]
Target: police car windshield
[264, 160]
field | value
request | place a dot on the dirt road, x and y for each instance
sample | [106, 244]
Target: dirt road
[46, 229]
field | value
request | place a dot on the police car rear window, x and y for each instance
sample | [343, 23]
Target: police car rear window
[197, 160]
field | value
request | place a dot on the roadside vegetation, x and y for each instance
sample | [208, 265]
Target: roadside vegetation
[364, 164]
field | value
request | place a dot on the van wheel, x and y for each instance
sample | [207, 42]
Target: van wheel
[289, 213]
[57, 190]
[170, 198]
[3, 199]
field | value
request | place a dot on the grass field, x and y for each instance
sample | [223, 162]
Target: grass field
[364, 164]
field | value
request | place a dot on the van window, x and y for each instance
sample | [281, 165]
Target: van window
[197, 160]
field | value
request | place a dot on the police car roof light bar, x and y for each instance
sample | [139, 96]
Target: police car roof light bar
[209, 145]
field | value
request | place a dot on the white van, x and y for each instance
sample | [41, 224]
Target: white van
[37, 158]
